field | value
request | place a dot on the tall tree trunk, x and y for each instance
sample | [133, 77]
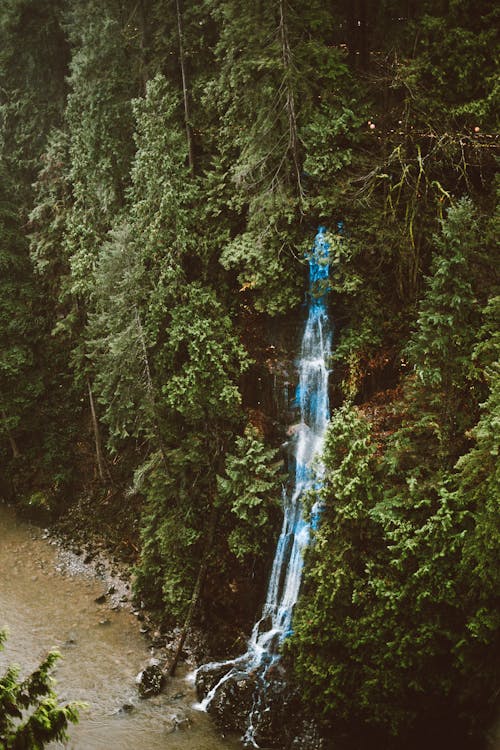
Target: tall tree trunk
[16, 453]
[101, 464]
[286, 56]
[195, 598]
[185, 93]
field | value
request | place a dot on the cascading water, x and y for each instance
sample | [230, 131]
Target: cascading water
[283, 590]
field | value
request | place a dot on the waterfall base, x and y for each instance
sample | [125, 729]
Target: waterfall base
[263, 706]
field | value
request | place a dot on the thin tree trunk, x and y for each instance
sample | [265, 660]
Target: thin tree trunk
[16, 453]
[195, 598]
[101, 464]
[185, 93]
[286, 56]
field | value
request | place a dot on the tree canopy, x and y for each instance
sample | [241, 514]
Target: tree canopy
[164, 167]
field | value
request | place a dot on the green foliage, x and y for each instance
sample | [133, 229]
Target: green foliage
[52, 202]
[117, 342]
[397, 620]
[440, 349]
[99, 123]
[20, 381]
[179, 492]
[146, 271]
[204, 358]
[250, 489]
[32, 84]
[162, 196]
[31, 715]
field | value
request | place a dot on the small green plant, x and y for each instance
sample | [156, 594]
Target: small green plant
[30, 712]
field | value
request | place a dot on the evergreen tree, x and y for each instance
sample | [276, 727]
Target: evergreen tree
[20, 331]
[32, 85]
[31, 715]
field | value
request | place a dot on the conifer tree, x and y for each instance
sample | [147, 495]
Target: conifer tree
[31, 716]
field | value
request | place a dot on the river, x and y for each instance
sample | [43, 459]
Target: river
[44, 604]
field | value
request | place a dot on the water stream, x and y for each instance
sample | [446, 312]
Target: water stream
[312, 402]
[44, 604]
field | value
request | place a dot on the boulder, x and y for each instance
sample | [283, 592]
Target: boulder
[233, 702]
[150, 680]
[208, 675]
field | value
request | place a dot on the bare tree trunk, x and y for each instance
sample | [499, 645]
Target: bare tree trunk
[16, 453]
[195, 598]
[185, 93]
[101, 464]
[286, 56]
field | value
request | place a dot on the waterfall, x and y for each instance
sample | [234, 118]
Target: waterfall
[275, 623]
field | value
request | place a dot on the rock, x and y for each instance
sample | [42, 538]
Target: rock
[127, 708]
[150, 680]
[276, 714]
[111, 590]
[106, 621]
[100, 599]
[233, 702]
[157, 639]
[263, 698]
[208, 675]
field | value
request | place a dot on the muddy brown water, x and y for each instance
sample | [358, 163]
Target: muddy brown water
[44, 604]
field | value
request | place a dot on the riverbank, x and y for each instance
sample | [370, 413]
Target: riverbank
[52, 597]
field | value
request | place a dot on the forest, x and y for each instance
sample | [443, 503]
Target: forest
[164, 166]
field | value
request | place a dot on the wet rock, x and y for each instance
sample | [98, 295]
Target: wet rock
[127, 708]
[208, 675]
[264, 706]
[233, 702]
[150, 680]
[275, 714]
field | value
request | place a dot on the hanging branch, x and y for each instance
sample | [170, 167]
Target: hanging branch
[185, 94]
